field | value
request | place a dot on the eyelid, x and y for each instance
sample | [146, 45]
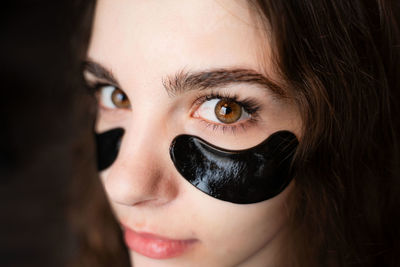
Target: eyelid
[97, 85]
[250, 105]
[93, 82]
[232, 128]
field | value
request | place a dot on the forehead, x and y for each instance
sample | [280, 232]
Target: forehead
[148, 39]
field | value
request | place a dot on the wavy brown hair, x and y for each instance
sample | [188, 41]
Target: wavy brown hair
[340, 61]
[54, 211]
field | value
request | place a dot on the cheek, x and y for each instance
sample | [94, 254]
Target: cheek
[241, 230]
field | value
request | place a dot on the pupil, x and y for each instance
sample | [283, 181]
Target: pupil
[120, 98]
[225, 110]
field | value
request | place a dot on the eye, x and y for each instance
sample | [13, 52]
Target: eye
[226, 111]
[112, 97]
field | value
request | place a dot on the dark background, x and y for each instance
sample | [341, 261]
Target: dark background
[53, 211]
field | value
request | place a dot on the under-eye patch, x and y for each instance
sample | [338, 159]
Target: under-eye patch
[108, 144]
[238, 176]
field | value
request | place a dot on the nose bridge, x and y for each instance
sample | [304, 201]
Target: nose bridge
[141, 173]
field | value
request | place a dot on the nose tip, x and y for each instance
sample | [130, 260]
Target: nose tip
[140, 179]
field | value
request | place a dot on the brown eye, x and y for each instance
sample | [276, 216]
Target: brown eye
[120, 99]
[228, 111]
[112, 97]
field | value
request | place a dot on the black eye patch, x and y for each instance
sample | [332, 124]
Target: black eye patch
[108, 144]
[242, 176]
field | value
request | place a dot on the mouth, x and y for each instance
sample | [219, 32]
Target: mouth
[154, 246]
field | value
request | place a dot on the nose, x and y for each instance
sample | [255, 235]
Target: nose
[141, 174]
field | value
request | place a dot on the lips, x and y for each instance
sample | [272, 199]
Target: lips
[154, 246]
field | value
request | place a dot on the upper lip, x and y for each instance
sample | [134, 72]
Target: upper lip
[152, 235]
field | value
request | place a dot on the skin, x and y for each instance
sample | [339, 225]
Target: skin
[143, 43]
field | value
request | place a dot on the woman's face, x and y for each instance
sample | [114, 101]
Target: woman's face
[142, 53]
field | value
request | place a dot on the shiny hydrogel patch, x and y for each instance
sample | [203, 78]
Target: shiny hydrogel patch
[238, 176]
[108, 144]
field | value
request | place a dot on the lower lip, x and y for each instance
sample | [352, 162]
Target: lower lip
[156, 247]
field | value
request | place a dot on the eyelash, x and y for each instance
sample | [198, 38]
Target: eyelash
[94, 86]
[251, 106]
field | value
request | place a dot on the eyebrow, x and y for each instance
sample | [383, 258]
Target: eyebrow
[100, 72]
[184, 81]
